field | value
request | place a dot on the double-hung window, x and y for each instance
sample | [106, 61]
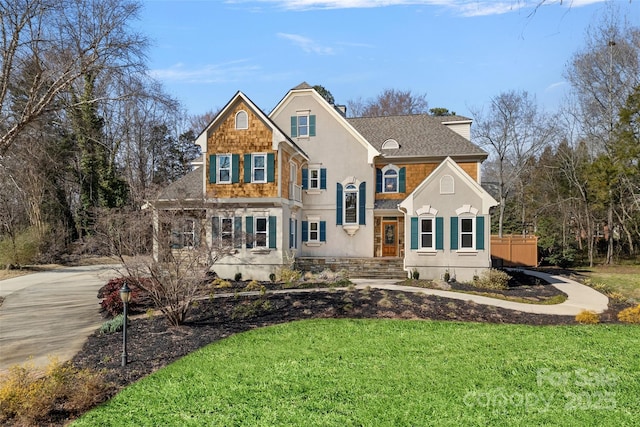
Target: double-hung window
[259, 168]
[224, 168]
[183, 234]
[427, 233]
[261, 232]
[303, 125]
[314, 231]
[466, 233]
[314, 179]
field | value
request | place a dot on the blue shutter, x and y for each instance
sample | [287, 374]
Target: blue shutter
[339, 204]
[305, 179]
[247, 168]
[454, 232]
[362, 201]
[480, 233]
[271, 167]
[305, 231]
[215, 228]
[439, 233]
[212, 168]
[235, 168]
[402, 180]
[378, 180]
[237, 232]
[414, 232]
[323, 179]
[272, 232]
[294, 126]
[312, 125]
[323, 231]
[249, 226]
[290, 233]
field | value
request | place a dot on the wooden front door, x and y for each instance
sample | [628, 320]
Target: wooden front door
[390, 238]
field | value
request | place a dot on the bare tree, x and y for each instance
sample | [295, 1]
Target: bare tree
[514, 131]
[390, 102]
[182, 258]
[59, 41]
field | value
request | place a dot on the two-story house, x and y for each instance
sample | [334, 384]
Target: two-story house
[307, 183]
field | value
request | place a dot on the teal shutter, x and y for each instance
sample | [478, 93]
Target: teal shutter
[339, 204]
[439, 233]
[237, 232]
[294, 126]
[271, 167]
[305, 231]
[402, 180]
[480, 233]
[235, 168]
[323, 231]
[305, 179]
[312, 125]
[323, 179]
[249, 226]
[212, 169]
[454, 232]
[215, 228]
[414, 233]
[378, 180]
[272, 232]
[247, 168]
[362, 202]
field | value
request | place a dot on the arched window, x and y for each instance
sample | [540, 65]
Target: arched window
[390, 144]
[350, 204]
[242, 120]
[390, 181]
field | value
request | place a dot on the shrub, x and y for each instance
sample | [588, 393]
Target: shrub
[221, 283]
[288, 275]
[22, 251]
[110, 294]
[253, 285]
[113, 325]
[29, 396]
[588, 317]
[415, 274]
[630, 315]
[493, 279]
[272, 277]
[238, 277]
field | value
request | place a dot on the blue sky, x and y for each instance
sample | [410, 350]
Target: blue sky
[459, 52]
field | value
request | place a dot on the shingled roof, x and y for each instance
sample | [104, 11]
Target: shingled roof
[189, 187]
[418, 135]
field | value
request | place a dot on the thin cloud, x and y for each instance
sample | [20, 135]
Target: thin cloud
[208, 73]
[306, 44]
[468, 8]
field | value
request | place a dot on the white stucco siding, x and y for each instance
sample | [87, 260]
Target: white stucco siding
[338, 150]
[465, 200]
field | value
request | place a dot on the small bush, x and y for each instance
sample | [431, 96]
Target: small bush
[253, 285]
[221, 283]
[23, 252]
[237, 277]
[588, 317]
[272, 277]
[289, 276]
[29, 396]
[112, 326]
[493, 279]
[415, 274]
[110, 294]
[630, 315]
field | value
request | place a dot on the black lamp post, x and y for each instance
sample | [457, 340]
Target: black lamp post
[125, 295]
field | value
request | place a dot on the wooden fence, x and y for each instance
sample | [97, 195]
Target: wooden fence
[514, 251]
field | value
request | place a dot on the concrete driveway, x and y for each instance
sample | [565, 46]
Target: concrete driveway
[50, 313]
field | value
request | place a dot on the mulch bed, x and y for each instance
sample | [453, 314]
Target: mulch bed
[153, 344]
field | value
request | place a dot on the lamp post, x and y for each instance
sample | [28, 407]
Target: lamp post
[125, 295]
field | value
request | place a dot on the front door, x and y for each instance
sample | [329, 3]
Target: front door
[390, 238]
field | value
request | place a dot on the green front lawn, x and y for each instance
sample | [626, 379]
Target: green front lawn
[624, 279]
[394, 373]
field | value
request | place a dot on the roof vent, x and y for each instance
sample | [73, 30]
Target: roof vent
[390, 144]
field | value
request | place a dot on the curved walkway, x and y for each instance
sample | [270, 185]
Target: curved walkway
[579, 296]
[52, 313]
